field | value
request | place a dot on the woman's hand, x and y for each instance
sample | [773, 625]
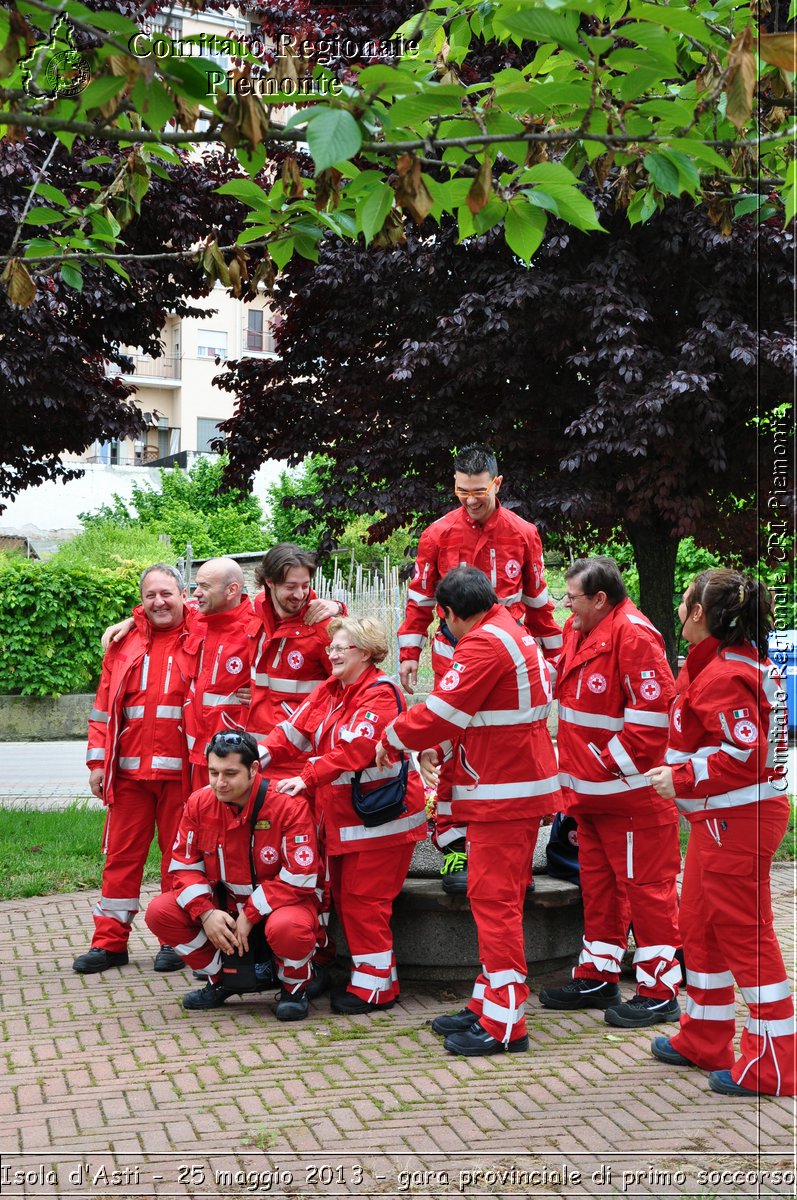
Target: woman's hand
[429, 767]
[660, 779]
[292, 787]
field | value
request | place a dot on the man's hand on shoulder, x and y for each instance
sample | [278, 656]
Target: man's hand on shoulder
[116, 633]
[322, 610]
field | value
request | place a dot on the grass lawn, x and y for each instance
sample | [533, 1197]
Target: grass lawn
[54, 851]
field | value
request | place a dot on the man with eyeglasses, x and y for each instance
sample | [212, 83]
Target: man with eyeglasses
[235, 864]
[480, 533]
[614, 687]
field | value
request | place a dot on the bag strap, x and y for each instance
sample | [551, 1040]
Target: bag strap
[399, 702]
[260, 800]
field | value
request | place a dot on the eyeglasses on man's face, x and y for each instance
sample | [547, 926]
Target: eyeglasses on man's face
[475, 493]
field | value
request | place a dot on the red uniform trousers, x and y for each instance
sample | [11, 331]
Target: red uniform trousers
[499, 862]
[445, 829]
[628, 872]
[726, 922]
[364, 885]
[290, 932]
[139, 805]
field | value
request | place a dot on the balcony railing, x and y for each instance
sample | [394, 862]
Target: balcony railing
[166, 367]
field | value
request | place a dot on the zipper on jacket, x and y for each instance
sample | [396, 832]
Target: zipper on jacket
[630, 689]
[168, 674]
[493, 570]
[278, 655]
[144, 672]
[466, 765]
[578, 685]
[216, 664]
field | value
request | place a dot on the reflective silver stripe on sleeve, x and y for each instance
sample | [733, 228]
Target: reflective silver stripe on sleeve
[176, 865]
[536, 601]
[238, 889]
[169, 712]
[634, 716]
[298, 881]
[294, 686]
[551, 643]
[513, 599]
[133, 712]
[498, 716]
[443, 648]
[589, 720]
[97, 714]
[519, 662]
[190, 893]
[96, 755]
[159, 763]
[613, 787]
[360, 833]
[295, 737]
[260, 679]
[419, 598]
[443, 709]
[214, 700]
[506, 791]
[411, 639]
[129, 764]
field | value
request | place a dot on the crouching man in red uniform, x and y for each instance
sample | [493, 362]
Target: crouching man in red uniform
[230, 872]
[489, 713]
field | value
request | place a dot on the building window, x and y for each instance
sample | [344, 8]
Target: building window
[211, 343]
[206, 431]
[258, 335]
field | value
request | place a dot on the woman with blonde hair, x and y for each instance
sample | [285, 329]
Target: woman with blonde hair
[336, 731]
[727, 729]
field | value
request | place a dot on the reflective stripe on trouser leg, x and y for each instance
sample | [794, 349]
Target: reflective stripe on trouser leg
[172, 926]
[364, 886]
[726, 903]
[499, 858]
[291, 934]
[604, 901]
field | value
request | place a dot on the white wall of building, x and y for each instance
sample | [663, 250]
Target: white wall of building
[50, 512]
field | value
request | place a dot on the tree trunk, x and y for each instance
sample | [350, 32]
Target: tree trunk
[655, 554]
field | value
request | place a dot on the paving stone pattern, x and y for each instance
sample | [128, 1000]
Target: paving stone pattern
[111, 1089]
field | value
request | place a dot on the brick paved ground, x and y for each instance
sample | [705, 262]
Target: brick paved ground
[111, 1089]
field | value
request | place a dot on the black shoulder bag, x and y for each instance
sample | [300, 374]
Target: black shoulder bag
[239, 971]
[385, 802]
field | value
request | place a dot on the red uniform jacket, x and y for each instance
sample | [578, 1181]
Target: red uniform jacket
[136, 725]
[509, 552]
[288, 661]
[221, 644]
[728, 730]
[490, 711]
[339, 727]
[212, 846]
[614, 687]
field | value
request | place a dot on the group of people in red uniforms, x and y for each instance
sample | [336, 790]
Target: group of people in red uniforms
[279, 717]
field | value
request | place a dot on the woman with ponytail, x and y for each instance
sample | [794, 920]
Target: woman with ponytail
[727, 729]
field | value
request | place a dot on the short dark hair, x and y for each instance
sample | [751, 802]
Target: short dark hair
[472, 460]
[234, 741]
[738, 608]
[466, 591]
[599, 574]
[278, 561]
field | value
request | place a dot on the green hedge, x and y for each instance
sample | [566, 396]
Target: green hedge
[51, 620]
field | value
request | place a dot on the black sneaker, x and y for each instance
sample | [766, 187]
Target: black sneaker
[582, 993]
[96, 960]
[476, 1042]
[722, 1082]
[167, 959]
[319, 982]
[349, 1004]
[455, 873]
[212, 995]
[641, 1011]
[292, 1006]
[454, 1022]
[662, 1049]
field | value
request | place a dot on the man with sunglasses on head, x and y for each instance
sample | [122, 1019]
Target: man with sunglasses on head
[234, 864]
[480, 533]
